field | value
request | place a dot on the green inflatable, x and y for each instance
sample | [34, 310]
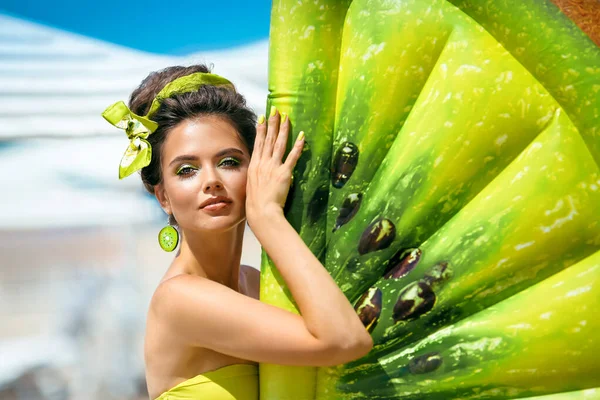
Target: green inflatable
[450, 184]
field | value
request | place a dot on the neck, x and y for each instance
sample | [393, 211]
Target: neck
[213, 255]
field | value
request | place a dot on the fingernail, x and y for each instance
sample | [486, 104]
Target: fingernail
[261, 119]
[273, 111]
[300, 136]
[284, 117]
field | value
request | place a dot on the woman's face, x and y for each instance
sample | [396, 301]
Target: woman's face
[201, 159]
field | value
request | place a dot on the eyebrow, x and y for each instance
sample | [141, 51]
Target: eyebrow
[188, 157]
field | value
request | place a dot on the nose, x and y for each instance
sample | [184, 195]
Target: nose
[213, 181]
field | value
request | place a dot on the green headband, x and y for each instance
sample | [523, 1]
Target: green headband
[138, 128]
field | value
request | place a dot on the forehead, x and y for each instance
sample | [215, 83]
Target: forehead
[203, 137]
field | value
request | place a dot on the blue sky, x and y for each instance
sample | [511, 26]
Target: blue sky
[182, 27]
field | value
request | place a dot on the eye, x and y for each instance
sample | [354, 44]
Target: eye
[230, 162]
[185, 170]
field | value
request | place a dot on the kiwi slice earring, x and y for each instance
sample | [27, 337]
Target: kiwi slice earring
[168, 238]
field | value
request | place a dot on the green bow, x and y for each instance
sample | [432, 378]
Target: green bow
[138, 128]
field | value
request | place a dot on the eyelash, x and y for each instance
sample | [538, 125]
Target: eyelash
[233, 165]
[236, 162]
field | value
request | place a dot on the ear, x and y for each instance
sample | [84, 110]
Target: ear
[163, 198]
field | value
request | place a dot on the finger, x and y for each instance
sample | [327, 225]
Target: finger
[272, 130]
[294, 155]
[282, 138]
[259, 140]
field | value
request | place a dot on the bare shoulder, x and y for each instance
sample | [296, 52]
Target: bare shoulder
[171, 295]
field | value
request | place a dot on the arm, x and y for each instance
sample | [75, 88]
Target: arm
[327, 313]
[202, 313]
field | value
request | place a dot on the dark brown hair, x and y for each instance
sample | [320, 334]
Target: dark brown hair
[207, 100]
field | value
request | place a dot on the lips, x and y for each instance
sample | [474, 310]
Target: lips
[215, 200]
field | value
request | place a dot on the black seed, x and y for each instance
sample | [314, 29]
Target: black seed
[402, 263]
[416, 299]
[349, 208]
[345, 161]
[426, 363]
[318, 204]
[368, 308]
[379, 235]
[437, 274]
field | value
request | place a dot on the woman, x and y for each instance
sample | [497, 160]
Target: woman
[212, 169]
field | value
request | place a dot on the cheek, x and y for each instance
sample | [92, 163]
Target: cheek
[183, 193]
[239, 183]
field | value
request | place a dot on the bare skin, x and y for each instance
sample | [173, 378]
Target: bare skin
[205, 313]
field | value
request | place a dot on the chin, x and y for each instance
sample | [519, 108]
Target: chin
[220, 223]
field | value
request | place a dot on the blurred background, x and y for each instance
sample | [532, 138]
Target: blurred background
[79, 257]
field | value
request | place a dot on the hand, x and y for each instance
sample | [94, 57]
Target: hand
[268, 177]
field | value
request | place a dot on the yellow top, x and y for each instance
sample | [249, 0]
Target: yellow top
[232, 382]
